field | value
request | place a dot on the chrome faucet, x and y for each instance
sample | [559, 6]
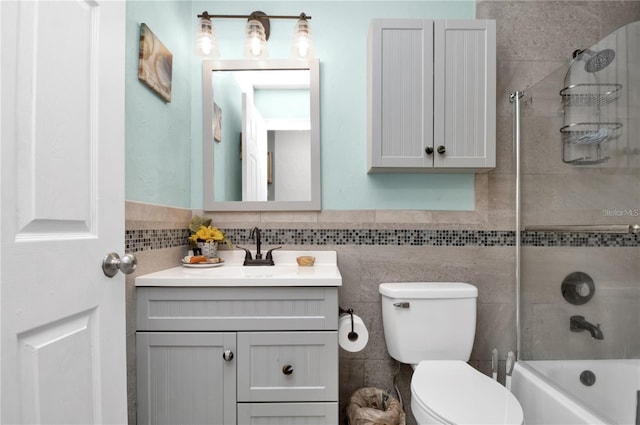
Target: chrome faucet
[258, 261]
[579, 324]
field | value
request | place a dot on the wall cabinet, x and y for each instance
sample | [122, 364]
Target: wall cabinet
[237, 355]
[431, 95]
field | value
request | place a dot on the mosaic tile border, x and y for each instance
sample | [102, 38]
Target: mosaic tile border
[561, 239]
[148, 239]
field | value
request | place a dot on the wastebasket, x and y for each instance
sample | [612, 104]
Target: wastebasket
[373, 406]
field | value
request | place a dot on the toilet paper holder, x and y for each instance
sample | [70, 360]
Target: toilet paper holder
[352, 336]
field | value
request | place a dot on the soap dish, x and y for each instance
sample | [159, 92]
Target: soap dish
[306, 260]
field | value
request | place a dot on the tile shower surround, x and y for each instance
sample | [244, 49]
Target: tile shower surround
[150, 239]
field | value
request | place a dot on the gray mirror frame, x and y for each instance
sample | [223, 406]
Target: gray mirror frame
[313, 65]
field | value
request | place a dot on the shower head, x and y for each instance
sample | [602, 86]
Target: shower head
[595, 61]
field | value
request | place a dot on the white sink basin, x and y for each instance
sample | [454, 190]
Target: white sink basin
[268, 271]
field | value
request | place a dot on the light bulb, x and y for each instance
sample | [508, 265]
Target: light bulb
[206, 39]
[302, 40]
[255, 41]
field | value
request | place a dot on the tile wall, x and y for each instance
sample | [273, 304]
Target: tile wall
[535, 38]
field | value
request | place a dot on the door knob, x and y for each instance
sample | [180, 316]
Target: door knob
[227, 355]
[428, 150]
[441, 149]
[112, 263]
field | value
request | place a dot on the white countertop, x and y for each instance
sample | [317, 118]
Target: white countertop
[286, 272]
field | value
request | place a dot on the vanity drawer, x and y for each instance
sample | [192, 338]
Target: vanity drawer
[238, 309]
[287, 366]
[289, 413]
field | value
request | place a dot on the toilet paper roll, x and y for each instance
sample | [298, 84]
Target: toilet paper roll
[349, 341]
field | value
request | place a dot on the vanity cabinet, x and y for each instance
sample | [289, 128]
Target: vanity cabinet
[244, 355]
[431, 95]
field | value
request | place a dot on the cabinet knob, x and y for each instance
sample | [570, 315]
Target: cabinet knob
[441, 149]
[227, 355]
[429, 150]
[287, 369]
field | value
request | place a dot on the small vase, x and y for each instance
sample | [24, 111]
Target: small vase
[209, 249]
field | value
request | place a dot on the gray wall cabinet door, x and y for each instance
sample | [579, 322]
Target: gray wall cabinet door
[465, 93]
[401, 93]
[287, 413]
[182, 378]
[287, 366]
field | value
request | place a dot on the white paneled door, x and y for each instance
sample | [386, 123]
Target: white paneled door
[62, 321]
[254, 148]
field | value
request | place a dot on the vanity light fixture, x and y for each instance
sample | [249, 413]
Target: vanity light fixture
[256, 35]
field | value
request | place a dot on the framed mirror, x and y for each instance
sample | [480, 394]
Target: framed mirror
[261, 135]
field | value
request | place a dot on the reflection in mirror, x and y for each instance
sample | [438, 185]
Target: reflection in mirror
[261, 135]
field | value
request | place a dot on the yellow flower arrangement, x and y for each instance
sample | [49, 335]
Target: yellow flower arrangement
[207, 234]
[202, 231]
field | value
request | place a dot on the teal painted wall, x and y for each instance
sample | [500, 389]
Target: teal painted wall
[158, 134]
[164, 140]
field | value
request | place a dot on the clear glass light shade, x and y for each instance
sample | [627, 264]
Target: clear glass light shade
[255, 43]
[302, 40]
[206, 40]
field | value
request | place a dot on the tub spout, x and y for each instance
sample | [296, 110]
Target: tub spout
[579, 324]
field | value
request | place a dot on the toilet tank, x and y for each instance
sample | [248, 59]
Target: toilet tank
[429, 320]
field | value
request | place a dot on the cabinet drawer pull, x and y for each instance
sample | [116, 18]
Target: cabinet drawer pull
[287, 369]
[441, 149]
[227, 355]
[429, 150]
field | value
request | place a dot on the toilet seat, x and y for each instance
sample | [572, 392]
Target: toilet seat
[452, 392]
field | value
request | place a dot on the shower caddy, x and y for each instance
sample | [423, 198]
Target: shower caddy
[591, 133]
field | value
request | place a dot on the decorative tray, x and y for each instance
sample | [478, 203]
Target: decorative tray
[211, 262]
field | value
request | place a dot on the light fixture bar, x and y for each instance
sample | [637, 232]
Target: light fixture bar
[302, 15]
[256, 35]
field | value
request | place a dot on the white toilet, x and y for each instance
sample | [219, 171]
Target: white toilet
[431, 326]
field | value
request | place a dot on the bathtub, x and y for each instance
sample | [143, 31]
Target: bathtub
[551, 392]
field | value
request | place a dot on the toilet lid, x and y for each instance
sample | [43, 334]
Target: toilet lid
[459, 394]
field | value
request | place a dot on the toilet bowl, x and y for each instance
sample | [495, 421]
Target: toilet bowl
[431, 325]
[452, 392]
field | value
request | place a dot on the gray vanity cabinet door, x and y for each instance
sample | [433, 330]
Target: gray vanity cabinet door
[287, 366]
[182, 378]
